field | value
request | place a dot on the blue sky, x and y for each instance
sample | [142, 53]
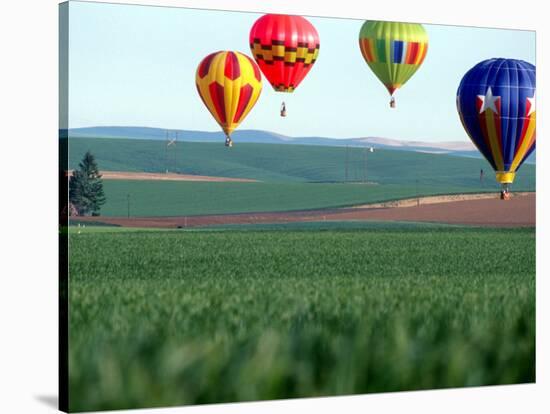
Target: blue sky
[135, 65]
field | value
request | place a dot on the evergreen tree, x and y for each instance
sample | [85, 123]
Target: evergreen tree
[86, 187]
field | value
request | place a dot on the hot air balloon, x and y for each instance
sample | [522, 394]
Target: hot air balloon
[286, 48]
[496, 104]
[229, 84]
[393, 51]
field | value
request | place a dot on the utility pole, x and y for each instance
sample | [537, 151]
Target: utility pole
[347, 162]
[365, 168]
[170, 155]
[166, 152]
[175, 152]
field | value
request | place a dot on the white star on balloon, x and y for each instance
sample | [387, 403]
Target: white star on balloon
[488, 101]
[533, 102]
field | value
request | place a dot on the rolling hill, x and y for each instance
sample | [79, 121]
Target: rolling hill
[458, 148]
[290, 163]
[292, 177]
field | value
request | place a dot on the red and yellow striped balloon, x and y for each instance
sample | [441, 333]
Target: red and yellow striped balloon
[229, 84]
[285, 47]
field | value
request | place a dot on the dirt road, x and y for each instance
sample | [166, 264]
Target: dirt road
[145, 176]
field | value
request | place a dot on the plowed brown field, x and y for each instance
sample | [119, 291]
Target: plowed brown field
[490, 212]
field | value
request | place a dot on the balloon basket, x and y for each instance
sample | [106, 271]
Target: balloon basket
[283, 110]
[505, 192]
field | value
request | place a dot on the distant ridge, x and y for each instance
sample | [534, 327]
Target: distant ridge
[457, 148]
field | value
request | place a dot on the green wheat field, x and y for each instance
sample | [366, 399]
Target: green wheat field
[160, 318]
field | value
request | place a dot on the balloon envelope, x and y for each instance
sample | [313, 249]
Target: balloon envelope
[229, 84]
[394, 51]
[496, 104]
[285, 47]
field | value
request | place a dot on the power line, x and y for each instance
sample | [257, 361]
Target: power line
[347, 162]
[170, 151]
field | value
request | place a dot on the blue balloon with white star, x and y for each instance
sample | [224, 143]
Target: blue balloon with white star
[496, 104]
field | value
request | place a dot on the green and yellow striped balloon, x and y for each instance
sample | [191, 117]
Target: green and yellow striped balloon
[394, 51]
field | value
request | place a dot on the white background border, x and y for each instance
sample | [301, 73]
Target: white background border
[28, 203]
